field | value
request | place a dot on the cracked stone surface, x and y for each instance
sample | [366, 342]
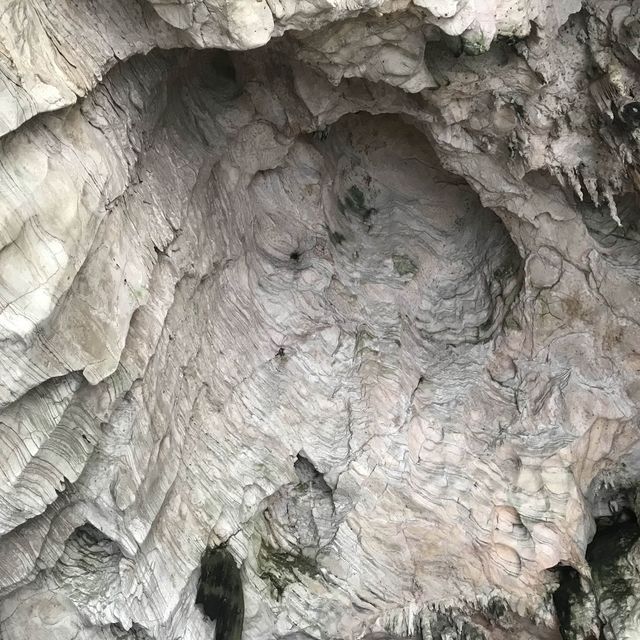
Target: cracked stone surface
[351, 289]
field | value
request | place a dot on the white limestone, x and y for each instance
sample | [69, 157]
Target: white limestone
[351, 299]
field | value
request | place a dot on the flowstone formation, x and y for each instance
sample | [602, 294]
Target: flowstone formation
[319, 321]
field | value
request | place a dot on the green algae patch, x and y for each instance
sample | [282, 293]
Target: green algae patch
[404, 265]
[281, 569]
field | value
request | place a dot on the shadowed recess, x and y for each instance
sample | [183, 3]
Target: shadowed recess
[220, 593]
[589, 609]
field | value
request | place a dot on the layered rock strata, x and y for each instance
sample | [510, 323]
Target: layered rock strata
[350, 290]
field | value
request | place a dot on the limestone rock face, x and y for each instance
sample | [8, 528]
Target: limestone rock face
[348, 289]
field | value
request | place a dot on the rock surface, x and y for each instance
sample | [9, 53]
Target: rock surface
[351, 289]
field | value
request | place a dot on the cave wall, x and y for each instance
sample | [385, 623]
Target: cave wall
[357, 300]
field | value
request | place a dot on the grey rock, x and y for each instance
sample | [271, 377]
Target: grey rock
[352, 289]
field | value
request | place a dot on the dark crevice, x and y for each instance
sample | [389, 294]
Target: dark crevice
[307, 472]
[220, 593]
[136, 632]
[212, 70]
[568, 595]
[614, 538]
[615, 535]
[579, 601]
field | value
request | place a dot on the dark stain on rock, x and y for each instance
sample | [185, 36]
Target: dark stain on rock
[281, 569]
[220, 593]
[336, 237]
[630, 114]
[354, 202]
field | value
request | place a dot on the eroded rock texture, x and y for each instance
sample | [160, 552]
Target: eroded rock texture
[348, 290]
